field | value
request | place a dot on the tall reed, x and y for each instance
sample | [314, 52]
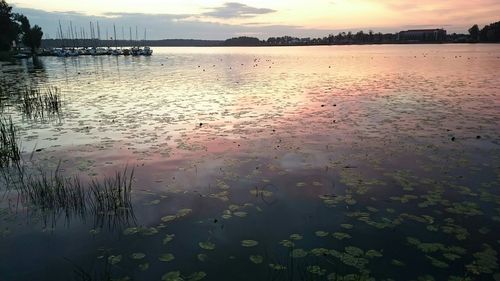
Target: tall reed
[52, 195]
[40, 102]
[10, 152]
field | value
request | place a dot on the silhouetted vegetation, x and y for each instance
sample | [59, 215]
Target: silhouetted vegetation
[243, 41]
[17, 28]
[30, 36]
[39, 103]
[9, 28]
[490, 33]
[10, 152]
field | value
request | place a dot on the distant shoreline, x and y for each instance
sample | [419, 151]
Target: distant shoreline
[57, 43]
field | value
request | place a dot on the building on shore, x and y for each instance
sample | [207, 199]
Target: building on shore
[422, 35]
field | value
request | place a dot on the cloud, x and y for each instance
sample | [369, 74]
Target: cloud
[158, 26]
[237, 10]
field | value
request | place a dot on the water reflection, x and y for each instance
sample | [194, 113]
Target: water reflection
[317, 163]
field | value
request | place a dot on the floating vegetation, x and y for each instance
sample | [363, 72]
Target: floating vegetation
[166, 257]
[287, 243]
[202, 257]
[168, 238]
[299, 253]
[137, 256]
[144, 266]
[114, 259]
[257, 259]
[172, 276]
[249, 243]
[321, 233]
[180, 213]
[341, 235]
[486, 261]
[316, 270]
[207, 245]
[176, 276]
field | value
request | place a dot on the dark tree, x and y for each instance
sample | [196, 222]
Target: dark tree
[242, 41]
[490, 33]
[8, 27]
[474, 32]
[32, 36]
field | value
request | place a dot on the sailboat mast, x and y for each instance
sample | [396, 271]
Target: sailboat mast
[71, 32]
[130, 30]
[92, 34]
[98, 33]
[62, 36]
[114, 29]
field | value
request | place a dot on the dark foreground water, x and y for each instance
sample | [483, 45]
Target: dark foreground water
[314, 163]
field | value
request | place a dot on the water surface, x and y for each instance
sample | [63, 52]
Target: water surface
[342, 163]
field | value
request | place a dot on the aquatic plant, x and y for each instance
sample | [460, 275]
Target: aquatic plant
[39, 103]
[111, 194]
[10, 152]
[51, 194]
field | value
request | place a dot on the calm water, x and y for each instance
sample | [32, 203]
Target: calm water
[307, 163]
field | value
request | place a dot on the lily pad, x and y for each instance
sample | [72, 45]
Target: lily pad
[183, 212]
[202, 257]
[130, 230]
[316, 270]
[341, 235]
[277, 266]
[172, 276]
[207, 245]
[240, 214]
[373, 254]
[257, 259]
[168, 218]
[114, 259]
[249, 243]
[321, 233]
[485, 261]
[166, 257]
[299, 253]
[287, 243]
[144, 266]
[347, 226]
[196, 276]
[168, 238]
[296, 236]
[138, 256]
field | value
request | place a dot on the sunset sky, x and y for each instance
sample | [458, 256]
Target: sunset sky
[213, 19]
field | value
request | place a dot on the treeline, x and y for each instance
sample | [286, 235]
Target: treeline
[341, 38]
[489, 33]
[16, 28]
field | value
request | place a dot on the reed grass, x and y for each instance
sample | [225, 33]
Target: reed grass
[40, 102]
[10, 152]
[53, 195]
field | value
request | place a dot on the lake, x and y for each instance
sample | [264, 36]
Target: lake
[267, 163]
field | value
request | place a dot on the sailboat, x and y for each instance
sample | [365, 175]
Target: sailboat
[147, 50]
[116, 51]
[126, 52]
